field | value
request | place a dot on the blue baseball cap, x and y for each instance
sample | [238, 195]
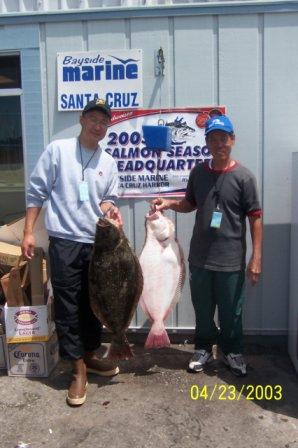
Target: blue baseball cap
[219, 123]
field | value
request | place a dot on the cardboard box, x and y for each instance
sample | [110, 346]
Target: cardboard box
[13, 232]
[10, 255]
[29, 323]
[36, 269]
[14, 285]
[34, 359]
[27, 284]
[2, 352]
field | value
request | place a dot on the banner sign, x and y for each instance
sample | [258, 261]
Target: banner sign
[115, 75]
[144, 172]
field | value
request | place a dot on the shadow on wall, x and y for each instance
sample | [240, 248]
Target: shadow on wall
[267, 304]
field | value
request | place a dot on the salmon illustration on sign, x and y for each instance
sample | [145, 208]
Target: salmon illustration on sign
[115, 282]
[163, 269]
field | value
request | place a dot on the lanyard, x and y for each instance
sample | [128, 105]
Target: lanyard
[84, 167]
[217, 188]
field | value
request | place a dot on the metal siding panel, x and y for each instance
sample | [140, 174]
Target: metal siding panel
[150, 35]
[195, 62]
[108, 34]
[240, 82]
[44, 82]
[140, 208]
[185, 311]
[240, 70]
[293, 308]
[68, 37]
[280, 130]
[31, 85]
[280, 96]
[18, 37]
[276, 266]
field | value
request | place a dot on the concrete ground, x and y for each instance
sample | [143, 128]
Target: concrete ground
[150, 405]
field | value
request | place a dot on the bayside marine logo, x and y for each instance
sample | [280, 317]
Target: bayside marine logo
[115, 75]
[25, 317]
[97, 69]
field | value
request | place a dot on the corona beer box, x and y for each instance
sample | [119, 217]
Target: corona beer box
[29, 323]
[33, 359]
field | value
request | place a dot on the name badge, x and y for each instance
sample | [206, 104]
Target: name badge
[216, 220]
[83, 191]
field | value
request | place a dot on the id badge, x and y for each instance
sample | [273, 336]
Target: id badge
[83, 191]
[216, 219]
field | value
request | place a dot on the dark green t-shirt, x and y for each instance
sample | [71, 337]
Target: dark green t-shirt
[236, 193]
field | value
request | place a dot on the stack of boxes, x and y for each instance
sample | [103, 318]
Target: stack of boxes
[29, 345]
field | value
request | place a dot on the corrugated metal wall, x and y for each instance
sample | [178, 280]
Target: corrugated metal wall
[293, 309]
[245, 61]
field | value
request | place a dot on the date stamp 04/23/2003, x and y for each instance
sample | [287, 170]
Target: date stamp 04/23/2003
[230, 392]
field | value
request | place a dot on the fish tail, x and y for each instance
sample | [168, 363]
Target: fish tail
[120, 349]
[157, 337]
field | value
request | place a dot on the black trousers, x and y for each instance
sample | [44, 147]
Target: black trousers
[78, 329]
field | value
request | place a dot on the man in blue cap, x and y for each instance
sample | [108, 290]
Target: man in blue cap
[223, 193]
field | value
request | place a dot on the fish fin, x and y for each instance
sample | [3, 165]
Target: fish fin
[183, 270]
[180, 283]
[120, 350]
[157, 337]
[144, 308]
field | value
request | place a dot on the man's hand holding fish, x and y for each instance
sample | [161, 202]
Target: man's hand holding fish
[182, 206]
[110, 211]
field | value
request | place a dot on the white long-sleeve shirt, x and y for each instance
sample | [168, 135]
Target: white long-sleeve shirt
[56, 179]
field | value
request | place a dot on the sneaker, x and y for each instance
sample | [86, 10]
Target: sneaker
[199, 359]
[236, 363]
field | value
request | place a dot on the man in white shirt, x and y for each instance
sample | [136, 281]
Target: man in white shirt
[79, 182]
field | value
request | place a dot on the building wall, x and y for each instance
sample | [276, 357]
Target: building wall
[293, 308]
[239, 58]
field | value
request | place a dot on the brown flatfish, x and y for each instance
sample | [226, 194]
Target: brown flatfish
[115, 284]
